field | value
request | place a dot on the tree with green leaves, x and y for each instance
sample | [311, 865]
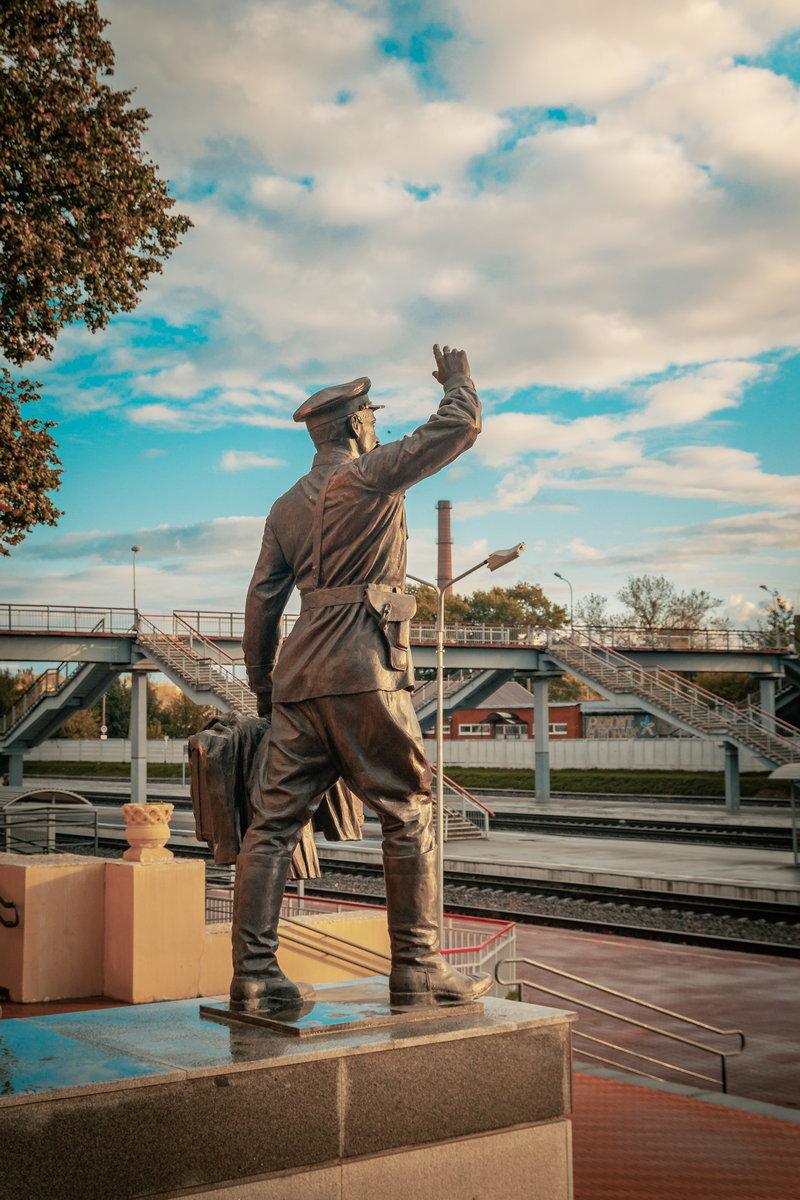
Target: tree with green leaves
[520, 604]
[82, 724]
[84, 218]
[591, 611]
[12, 686]
[118, 708]
[29, 468]
[653, 602]
[777, 622]
[182, 717]
[456, 607]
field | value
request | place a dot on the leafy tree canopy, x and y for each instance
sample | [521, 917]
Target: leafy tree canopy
[84, 219]
[651, 602]
[12, 685]
[29, 467]
[778, 622]
[520, 604]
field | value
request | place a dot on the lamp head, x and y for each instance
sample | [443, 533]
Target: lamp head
[501, 557]
[136, 549]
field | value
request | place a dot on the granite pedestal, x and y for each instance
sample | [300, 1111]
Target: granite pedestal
[156, 1100]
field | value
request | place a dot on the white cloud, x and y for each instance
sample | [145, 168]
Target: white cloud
[348, 212]
[663, 233]
[203, 415]
[246, 460]
[744, 540]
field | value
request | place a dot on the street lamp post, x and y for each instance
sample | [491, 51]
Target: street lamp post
[134, 551]
[571, 609]
[498, 559]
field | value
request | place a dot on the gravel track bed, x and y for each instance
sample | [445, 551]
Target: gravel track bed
[744, 929]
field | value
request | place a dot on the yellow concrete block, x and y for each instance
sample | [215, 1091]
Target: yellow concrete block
[318, 961]
[56, 952]
[216, 967]
[313, 963]
[155, 925]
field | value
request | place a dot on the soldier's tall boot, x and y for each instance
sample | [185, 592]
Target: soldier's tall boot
[258, 982]
[419, 973]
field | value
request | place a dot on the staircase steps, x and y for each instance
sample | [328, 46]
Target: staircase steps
[673, 697]
[199, 671]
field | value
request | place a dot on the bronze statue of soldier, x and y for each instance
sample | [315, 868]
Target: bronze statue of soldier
[339, 696]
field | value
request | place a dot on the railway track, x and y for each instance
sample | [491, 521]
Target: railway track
[714, 922]
[763, 837]
[699, 833]
[711, 921]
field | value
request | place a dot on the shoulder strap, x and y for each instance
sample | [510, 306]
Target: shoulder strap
[316, 530]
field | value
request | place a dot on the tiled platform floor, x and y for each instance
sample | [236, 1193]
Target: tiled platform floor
[636, 1143]
[753, 992]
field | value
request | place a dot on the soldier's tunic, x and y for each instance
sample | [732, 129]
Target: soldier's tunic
[341, 686]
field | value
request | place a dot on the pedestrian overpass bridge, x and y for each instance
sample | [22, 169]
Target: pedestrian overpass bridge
[200, 652]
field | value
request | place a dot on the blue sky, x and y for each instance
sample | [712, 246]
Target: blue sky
[599, 202]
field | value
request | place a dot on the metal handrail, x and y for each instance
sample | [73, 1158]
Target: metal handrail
[424, 692]
[467, 795]
[345, 958]
[47, 683]
[196, 635]
[723, 1055]
[46, 818]
[637, 637]
[336, 938]
[479, 819]
[65, 618]
[704, 706]
[9, 904]
[238, 691]
[71, 618]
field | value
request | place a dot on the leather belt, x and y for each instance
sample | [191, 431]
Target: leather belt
[330, 597]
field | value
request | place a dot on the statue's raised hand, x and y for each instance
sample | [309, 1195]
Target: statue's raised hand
[449, 363]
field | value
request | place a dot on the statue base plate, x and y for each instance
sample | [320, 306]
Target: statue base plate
[314, 1018]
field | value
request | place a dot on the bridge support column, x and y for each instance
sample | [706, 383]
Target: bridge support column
[541, 737]
[15, 770]
[731, 777]
[767, 686]
[138, 737]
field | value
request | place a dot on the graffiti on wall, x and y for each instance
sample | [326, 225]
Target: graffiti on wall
[619, 725]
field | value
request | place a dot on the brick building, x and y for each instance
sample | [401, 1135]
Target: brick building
[508, 714]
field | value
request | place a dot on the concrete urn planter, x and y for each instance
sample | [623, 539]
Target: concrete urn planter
[147, 832]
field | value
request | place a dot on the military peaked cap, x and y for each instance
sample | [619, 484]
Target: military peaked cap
[331, 403]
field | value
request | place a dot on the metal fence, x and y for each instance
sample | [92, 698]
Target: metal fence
[48, 829]
[52, 618]
[470, 943]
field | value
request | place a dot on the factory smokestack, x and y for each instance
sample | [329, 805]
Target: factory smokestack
[444, 544]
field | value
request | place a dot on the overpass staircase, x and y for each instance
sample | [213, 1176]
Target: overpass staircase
[195, 664]
[50, 700]
[787, 701]
[668, 695]
[466, 689]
